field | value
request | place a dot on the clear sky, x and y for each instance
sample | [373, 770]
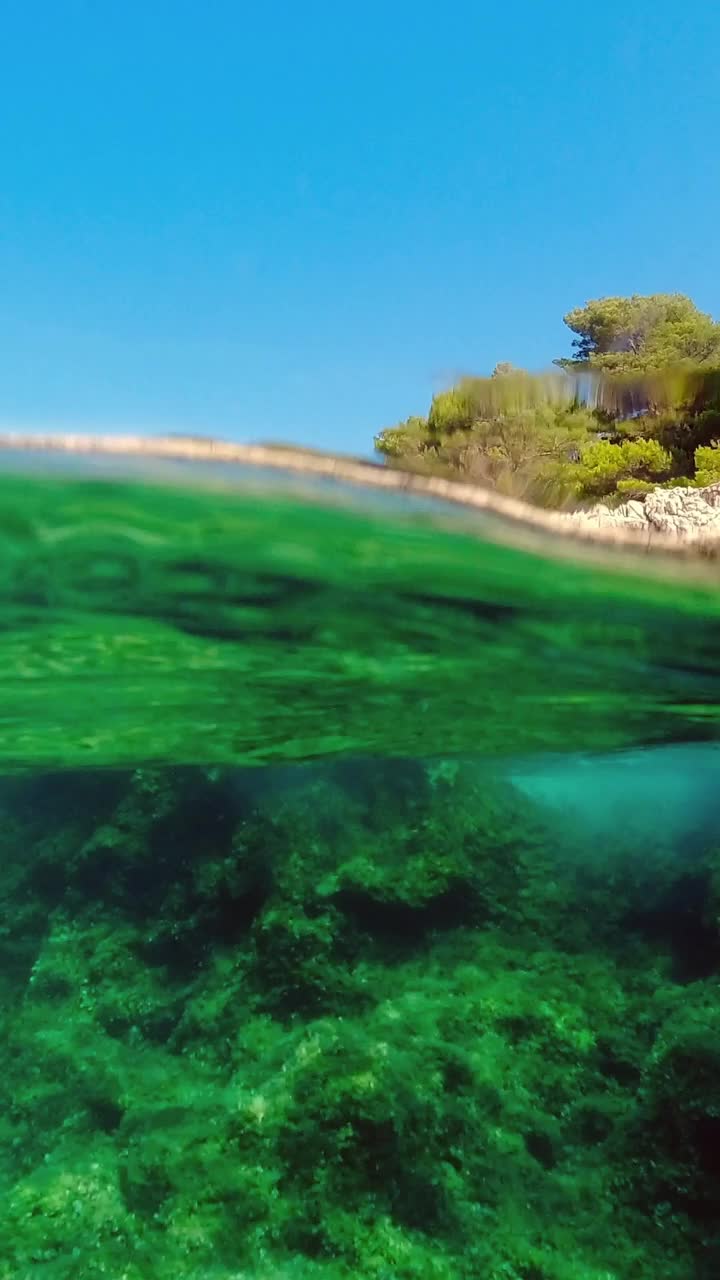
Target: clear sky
[296, 221]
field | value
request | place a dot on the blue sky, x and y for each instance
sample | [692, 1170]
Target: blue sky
[296, 221]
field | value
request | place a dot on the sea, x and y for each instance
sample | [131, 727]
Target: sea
[360, 885]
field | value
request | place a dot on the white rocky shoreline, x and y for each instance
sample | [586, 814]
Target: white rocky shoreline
[684, 513]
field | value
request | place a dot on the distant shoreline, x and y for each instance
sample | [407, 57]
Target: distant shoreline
[513, 512]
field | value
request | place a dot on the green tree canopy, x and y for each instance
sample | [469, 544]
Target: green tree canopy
[408, 439]
[636, 406]
[626, 335]
[707, 464]
[629, 469]
[516, 438]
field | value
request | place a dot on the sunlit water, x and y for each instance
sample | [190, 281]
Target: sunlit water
[360, 889]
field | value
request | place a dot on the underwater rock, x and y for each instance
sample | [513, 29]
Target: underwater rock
[680, 1112]
[367, 1021]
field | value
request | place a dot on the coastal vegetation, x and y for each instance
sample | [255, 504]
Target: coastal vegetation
[636, 405]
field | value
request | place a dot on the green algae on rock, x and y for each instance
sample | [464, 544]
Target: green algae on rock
[245, 1046]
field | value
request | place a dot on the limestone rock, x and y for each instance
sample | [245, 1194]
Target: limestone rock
[684, 513]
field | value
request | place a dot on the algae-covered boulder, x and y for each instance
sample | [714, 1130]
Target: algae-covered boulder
[460, 846]
[680, 1111]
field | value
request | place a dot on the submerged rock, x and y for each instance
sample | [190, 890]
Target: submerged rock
[387, 1018]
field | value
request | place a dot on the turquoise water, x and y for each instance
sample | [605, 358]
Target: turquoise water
[360, 888]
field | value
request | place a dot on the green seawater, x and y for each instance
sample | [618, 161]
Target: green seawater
[360, 888]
